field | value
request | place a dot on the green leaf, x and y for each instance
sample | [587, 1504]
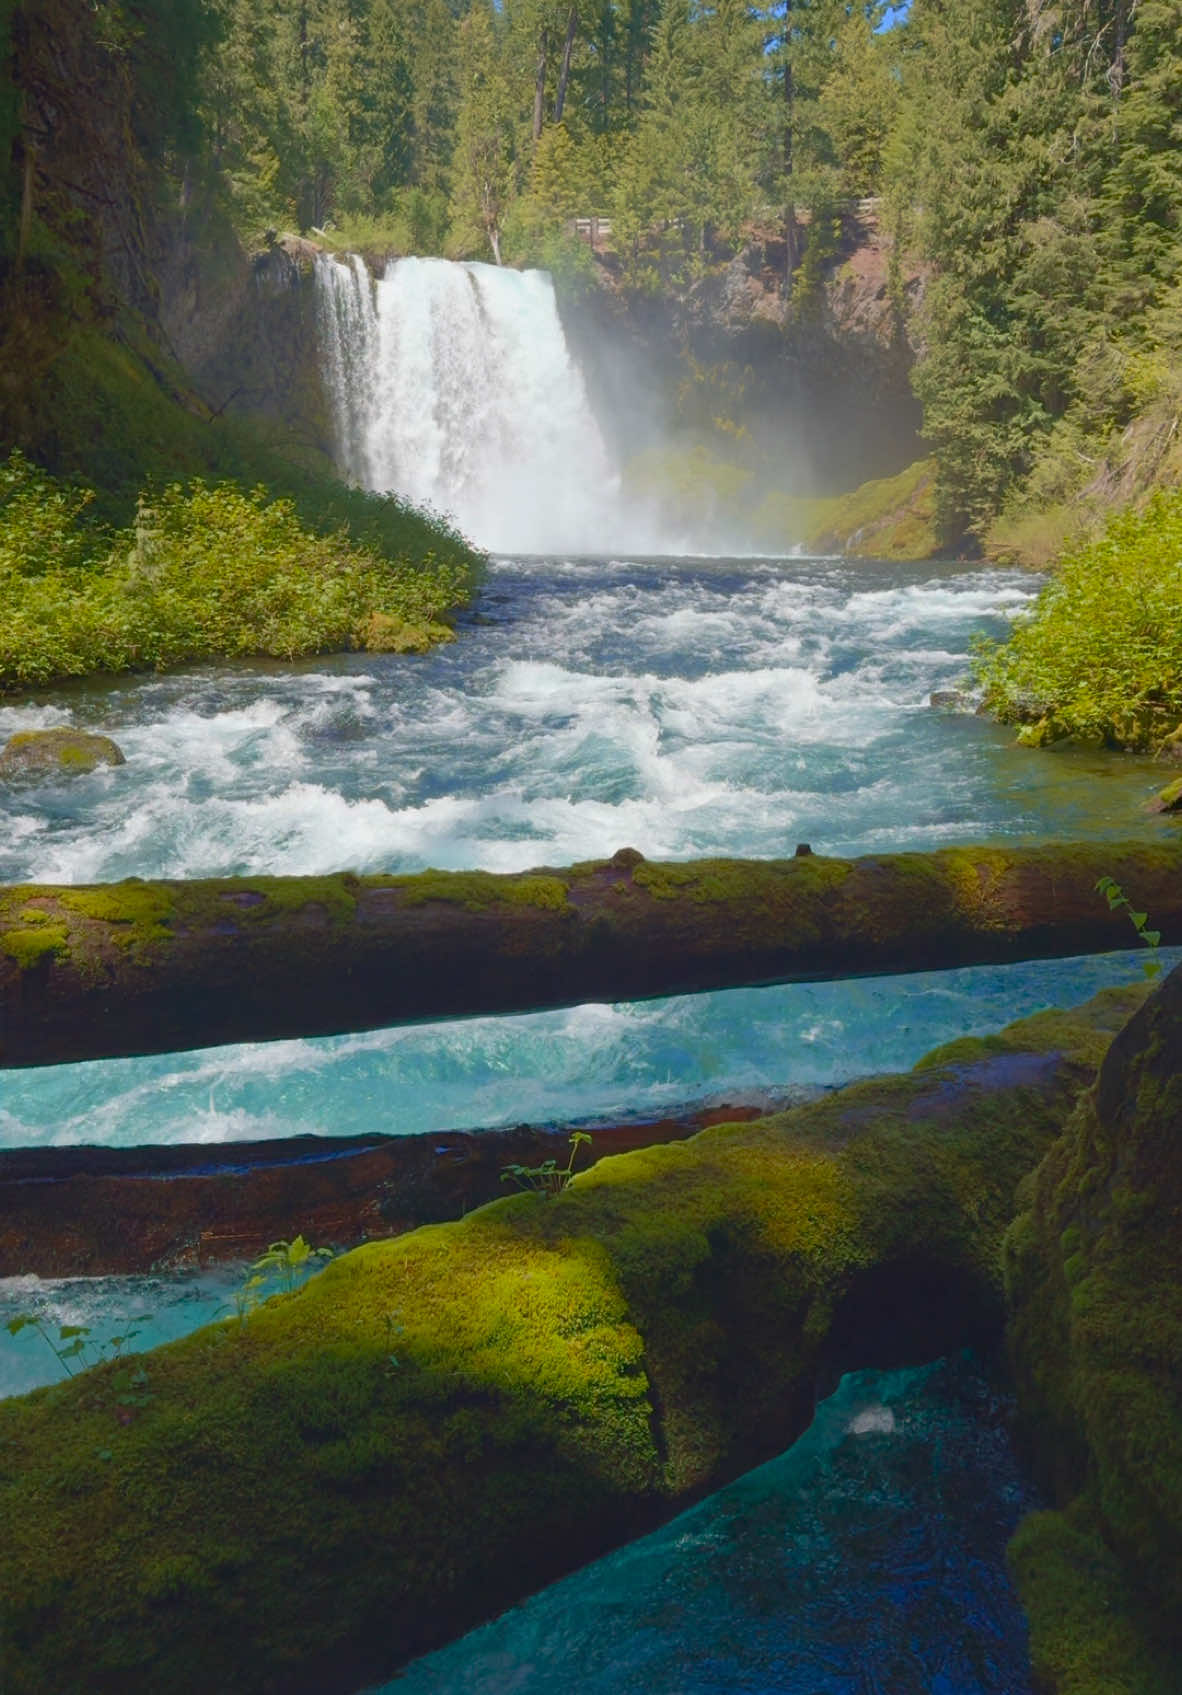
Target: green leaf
[68, 1330]
[1151, 938]
[21, 1322]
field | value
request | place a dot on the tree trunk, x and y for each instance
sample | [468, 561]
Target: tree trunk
[540, 84]
[568, 47]
[138, 968]
[28, 180]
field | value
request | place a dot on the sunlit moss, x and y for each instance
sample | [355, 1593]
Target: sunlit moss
[441, 1421]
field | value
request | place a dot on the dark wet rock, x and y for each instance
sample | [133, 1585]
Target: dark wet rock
[33, 755]
[954, 700]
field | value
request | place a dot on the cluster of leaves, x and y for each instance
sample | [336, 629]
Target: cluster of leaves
[75, 1350]
[1100, 656]
[549, 1178]
[281, 1269]
[1116, 898]
[204, 572]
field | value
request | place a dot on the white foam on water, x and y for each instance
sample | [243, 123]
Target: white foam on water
[872, 1421]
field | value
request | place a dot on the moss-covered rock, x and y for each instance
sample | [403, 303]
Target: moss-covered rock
[438, 1423]
[32, 756]
[1168, 799]
[1094, 1274]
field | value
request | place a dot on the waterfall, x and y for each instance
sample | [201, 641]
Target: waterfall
[346, 319]
[453, 385]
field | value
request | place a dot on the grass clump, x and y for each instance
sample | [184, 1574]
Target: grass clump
[205, 571]
[1099, 659]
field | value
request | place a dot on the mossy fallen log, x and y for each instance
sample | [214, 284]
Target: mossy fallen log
[437, 1424]
[138, 967]
[1094, 1277]
[86, 1211]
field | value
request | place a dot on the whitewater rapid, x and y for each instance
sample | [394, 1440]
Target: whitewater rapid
[680, 707]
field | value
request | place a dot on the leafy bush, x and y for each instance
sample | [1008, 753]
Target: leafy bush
[205, 572]
[1099, 658]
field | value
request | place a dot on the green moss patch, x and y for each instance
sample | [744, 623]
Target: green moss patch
[1094, 1280]
[477, 890]
[1089, 1634]
[439, 1422]
[30, 946]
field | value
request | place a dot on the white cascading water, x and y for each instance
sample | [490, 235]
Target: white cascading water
[453, 385]
[346, 319]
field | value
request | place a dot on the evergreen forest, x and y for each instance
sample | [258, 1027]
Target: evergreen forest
[1024, 155]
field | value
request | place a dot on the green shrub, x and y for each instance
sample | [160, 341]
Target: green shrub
[1100, 656]
[206, 571]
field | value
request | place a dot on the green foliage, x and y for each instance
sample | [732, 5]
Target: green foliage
[1100, 656]
[1116, 898]
[289, 1262]
[1033, 165]
[74, 1351]
[549, 1178]
[205, 571]
[282, 1268]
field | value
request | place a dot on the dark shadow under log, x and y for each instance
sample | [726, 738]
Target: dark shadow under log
[139, 967]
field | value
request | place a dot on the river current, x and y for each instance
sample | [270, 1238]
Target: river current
[681, 707]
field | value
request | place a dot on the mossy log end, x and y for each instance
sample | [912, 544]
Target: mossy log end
[137, 967]
[1094, 1278]
[439, 1423]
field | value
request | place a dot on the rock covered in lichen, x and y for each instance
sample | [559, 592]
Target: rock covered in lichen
[960, 701]
[35, 755]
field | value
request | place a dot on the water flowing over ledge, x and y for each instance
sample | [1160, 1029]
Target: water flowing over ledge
[453, 386]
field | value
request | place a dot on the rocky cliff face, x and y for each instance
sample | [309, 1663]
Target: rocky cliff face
[243, 326]
[811, 389]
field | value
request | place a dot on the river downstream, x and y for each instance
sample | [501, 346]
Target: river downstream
[682, 707]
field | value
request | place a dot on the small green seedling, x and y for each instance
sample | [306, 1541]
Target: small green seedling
[1116, 897]
[284, 1262]
[289, 1261]
[549, 1178]
[71, 1347]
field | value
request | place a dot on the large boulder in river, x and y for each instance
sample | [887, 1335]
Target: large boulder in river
[33, 755]
[1094, 1271]
[437, 1424]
